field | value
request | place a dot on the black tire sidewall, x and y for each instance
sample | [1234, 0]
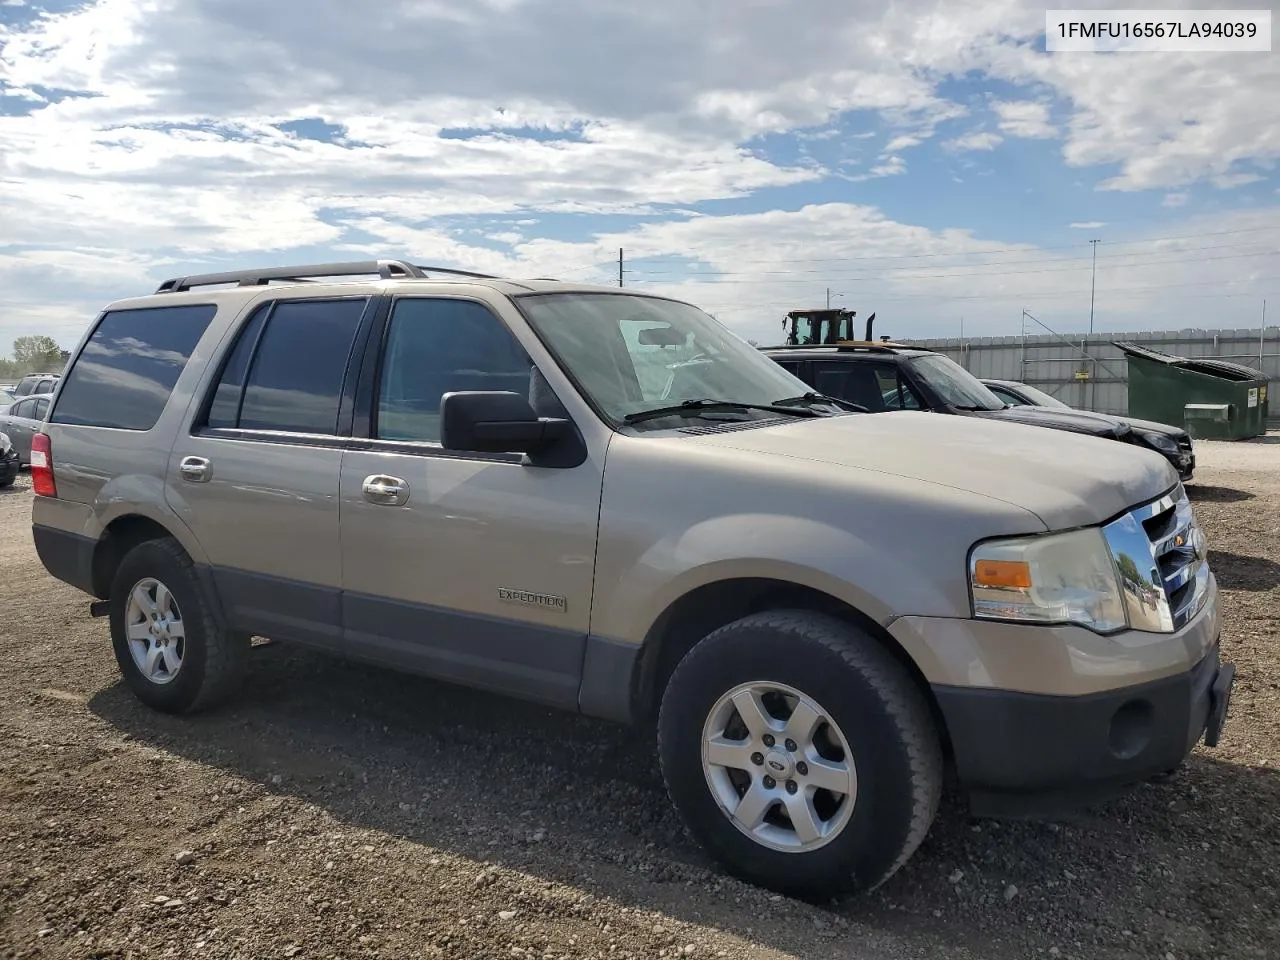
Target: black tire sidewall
[152, 560]
[873, 839]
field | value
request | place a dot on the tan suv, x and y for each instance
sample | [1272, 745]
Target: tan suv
[529, 487]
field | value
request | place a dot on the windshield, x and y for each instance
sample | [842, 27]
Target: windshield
[956, 385]
[1040, 398]
[630, 353]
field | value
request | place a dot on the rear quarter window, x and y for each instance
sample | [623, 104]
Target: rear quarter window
[127, 369]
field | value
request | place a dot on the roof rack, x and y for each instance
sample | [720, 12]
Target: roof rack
[385, 269]
[875, 346]
[460, 273]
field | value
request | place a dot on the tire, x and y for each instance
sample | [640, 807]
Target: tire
[876, 712]
[210, 659]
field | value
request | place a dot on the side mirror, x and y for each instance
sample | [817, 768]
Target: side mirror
[496, 421]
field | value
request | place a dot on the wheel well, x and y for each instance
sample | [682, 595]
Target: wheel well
[714, 605]
[121, 536]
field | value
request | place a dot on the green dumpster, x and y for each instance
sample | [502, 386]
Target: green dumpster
[1211, 399]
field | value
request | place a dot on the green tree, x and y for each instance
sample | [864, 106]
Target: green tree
[38, 353]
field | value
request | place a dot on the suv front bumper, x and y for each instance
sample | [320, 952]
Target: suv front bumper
[1041, 719]
[9, 467]
[1031, 754]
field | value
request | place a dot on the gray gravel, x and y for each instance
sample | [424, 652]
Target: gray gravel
[335, 810]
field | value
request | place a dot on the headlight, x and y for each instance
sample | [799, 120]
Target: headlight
[5, 445]
[1163, 443]
[1059, 578]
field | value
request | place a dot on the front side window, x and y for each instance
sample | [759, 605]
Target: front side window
[956, 385]
[436, 346]
[1009, 398]
[1041, 399]
[124, 375]
[894, 390]
[288, 376]
[631, 353]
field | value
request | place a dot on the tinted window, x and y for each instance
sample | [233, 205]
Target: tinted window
[20, 408]
[126, 372]
[1006, 396]
[895, 391]
[40, 409]
[435, 347]
[295, 377]
[856, 382]
[224, 411]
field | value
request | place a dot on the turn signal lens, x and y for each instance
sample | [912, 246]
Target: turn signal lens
[1002, 573]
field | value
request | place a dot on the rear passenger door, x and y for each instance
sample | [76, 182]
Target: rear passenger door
[256, 477]
[18, 424]
[471, 567]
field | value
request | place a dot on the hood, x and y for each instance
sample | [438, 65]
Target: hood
[1150, 426]
[1066, 480]
[1076, 421]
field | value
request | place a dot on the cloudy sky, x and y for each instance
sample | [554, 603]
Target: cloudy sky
[928, 161]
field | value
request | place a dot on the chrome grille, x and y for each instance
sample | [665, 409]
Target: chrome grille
[1159, 553]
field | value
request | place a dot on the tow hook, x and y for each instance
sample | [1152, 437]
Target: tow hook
[100, 608]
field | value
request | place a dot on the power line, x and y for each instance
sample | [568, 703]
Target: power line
[900, 274]
[1026, 248]
[1119, 292]
[824, 271]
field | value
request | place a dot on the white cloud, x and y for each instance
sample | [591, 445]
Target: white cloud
[1228, 181]
[904, 142]
[645, 111]
[892, 166]
[1087, 224]
[975, 140]
[1024, 118]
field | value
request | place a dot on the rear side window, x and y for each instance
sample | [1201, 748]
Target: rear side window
[126, 371]
[286, 370]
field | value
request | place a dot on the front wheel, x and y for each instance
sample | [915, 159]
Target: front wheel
[800, 753]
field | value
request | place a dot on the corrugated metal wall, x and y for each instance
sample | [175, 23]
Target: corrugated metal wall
[1055, 364]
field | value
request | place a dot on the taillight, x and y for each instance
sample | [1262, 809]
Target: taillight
[42, 481]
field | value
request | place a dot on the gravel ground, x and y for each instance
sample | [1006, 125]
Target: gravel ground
[339, 811]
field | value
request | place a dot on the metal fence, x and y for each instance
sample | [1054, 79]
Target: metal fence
[1089, 373]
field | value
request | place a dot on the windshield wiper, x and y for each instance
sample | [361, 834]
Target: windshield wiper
[694, 408]
[972, 407]
[812, 397]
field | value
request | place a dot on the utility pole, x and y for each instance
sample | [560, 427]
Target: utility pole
[1093, 284]
[828, 298]
[619, 266]
[1262, 333]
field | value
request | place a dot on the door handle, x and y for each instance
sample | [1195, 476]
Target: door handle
[391, 491]
[194, 469]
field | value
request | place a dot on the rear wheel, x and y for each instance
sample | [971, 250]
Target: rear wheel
[800, 753]
[172, 649]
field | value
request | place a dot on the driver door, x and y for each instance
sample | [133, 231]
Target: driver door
[471, 567]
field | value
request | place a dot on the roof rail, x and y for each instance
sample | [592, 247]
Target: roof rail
[875, 346]
[386, 269]
[459, 273]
